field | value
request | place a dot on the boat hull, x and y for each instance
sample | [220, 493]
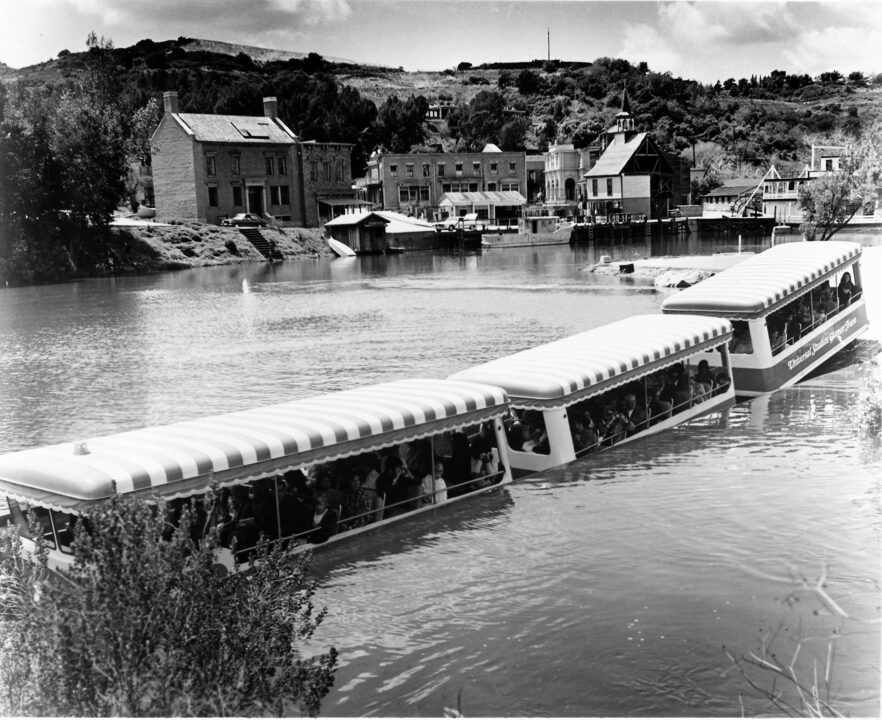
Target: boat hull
[510, 240]
[803, 357]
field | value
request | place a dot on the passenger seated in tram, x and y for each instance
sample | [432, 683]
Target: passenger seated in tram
[434, 487]
[805, 316]
[535, 439]
[846, 291]
[356, 504]
[826, 301]
[585, 435]
[633, 414]
[776, 326]
[659, 407]
[295, 513]
[613, 426]
[740, 342]
[681, 387]
[704, 381]
[394, 483]
[324, 521]
[514, 432]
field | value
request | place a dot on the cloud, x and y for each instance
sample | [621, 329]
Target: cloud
[712, 40]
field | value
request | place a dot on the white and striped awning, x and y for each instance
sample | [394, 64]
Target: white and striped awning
[754, 287]
[563, 371]
[184, 458]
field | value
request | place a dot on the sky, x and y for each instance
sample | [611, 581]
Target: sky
[704, 40]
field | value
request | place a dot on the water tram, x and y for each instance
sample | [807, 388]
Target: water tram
[609, 385]
[307, 471]
[792, 307]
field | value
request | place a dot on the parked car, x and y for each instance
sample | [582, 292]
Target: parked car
[243, 220]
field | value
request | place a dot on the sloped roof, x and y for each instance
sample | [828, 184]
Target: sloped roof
[730, 190]
[238, 129]
[484, 197]
[616, 156]
[396, 223]
[491, 148]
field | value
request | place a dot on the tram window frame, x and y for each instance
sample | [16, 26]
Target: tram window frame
[19, 512]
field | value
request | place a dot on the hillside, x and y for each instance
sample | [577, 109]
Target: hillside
[752, 120]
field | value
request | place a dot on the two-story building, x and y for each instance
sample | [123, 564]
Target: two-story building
[632, 176]
[563, 175]
[781, 185]
[206, 167]
[414, 183]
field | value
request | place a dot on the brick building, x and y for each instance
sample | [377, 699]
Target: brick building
[414, 183]
[206, 167]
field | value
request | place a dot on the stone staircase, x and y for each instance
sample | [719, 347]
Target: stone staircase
[261, 244]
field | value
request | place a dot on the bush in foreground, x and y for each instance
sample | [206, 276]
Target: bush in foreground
[145, 625]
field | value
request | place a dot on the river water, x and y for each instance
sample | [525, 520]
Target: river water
[617, 585]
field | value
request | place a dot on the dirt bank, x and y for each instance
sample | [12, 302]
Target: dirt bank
[149, 247]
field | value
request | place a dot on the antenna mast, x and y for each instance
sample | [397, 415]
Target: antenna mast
[548, 31]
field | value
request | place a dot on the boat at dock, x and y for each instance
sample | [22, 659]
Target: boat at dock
[533, 230]
[792, 307]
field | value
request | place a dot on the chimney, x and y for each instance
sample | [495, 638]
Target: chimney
[170, 102]
[270, 107]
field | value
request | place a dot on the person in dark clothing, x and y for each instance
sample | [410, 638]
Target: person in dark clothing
[324, 521]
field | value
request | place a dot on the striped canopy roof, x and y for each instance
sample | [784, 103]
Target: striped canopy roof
[560, 372]
[183, 458]
[754, 287]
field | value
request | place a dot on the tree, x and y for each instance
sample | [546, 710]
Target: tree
[143, 624]
[480, 121]
[831, 200]
[399, 125]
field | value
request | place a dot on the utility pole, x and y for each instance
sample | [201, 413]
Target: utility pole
[548, 31]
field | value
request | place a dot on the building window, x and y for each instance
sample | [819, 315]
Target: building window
[235, 165]
[511, 187]
[274, 195]
[609, 188]
[327, 168]
[512, 167]
[473, 187]
[424, 193]
[340, 171]
[494, 168]
[441, 170]
[445, 188]
[491, 186]
[270, 166]
[313, 170]
[212, 196]
[393, 169]
[403, 193]
[459, 168]
[409, 169]
[427, 170]
[594, 187]
[210, 165]
[237, 195]
[286, 195]
[283, 165]
[476, 168]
